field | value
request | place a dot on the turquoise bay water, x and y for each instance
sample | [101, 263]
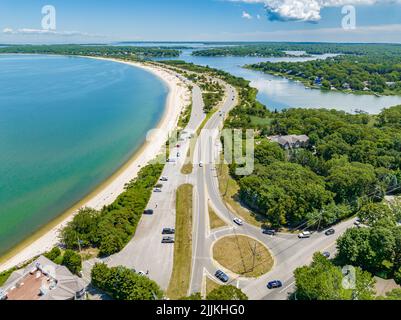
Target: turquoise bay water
[66, 125]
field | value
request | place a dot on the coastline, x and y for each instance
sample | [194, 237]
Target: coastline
[47, 237]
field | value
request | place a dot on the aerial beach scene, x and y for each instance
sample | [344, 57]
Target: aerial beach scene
[203, 151]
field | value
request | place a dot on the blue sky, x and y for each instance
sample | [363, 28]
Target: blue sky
[199, 20]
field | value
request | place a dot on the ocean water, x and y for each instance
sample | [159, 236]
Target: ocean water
[66, 125]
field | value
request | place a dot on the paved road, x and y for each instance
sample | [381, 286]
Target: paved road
[288, 250]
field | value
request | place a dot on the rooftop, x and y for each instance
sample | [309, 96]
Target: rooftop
[43, 280]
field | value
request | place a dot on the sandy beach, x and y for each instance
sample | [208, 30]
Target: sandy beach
[47, 238]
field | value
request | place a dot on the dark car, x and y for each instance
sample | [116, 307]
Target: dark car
[270, 232]
[168, 240]
[168, 231]
[326, 254]
[222, 276]
[330, 232]
[274, 284]
[148, 212]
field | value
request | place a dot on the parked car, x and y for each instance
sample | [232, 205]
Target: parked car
[274, 284]
[168, 231]
[164, 179]
[330, 232]
[168, 240]
[305, 235]
[222, 276]
[157, 190]
[171, 160]
[270, 232]
[238, 221]
[148, 212]
[326, 254]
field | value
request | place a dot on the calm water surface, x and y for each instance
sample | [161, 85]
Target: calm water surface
[66, 125]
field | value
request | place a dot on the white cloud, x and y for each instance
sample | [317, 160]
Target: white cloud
[305, 10]
[246, 15]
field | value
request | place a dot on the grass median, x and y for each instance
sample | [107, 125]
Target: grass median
[180, 280]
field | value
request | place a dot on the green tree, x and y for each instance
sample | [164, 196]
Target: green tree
[124, 284]
[53, 254]
[226, 293]
[351, 181]
[322, 280]
[73, 261]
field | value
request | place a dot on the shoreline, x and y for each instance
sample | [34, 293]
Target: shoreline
[104, 194]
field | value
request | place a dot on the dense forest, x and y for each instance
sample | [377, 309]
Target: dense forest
[95, 50]
[350, 160]
[279, 49]
[377, 75]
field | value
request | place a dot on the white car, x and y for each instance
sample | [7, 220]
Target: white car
[305, 235]
[238, 221]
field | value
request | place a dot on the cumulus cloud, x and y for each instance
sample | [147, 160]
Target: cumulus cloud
[246, 15]
[305, 10]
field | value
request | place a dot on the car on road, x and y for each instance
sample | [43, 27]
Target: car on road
[305, 235]
[149, 212]
[141, 273]
[269, 232]
[330, 232]
[168, 231]
[168, 240]
[164, 179]
[274, 284]
[326, 254]
[222, 276]
[157, 190]
[171, 160]
[238, 221]
[200, 164]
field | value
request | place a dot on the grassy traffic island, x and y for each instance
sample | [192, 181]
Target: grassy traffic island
[243, 255]
[180, 280]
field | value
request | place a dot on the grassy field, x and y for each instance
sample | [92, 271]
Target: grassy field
[229, 190]
[243, 255]
[215, 221]
[211, 285]
[180, 280]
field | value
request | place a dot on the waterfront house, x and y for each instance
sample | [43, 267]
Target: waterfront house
[43, 280]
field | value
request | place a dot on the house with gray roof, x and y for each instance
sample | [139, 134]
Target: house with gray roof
[43, 280]
[291, 141]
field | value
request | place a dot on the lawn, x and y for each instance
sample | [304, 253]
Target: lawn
[180, 280]
[243, 256]
[215, 221]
